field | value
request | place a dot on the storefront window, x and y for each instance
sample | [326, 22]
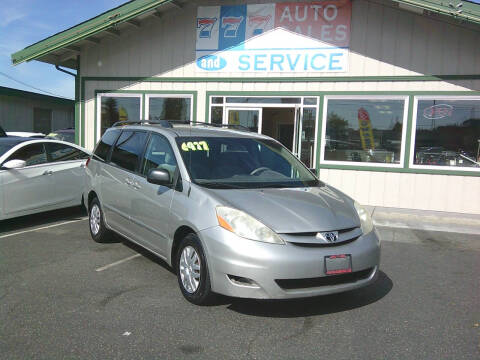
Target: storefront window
[118, 108]
[216, 117]
[364, 130]
[447, 133]
[169, 108]
[263, 100]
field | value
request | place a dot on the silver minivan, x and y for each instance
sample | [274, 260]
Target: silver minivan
[233, 212]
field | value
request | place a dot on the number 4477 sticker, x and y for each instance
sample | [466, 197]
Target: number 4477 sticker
[195, 146]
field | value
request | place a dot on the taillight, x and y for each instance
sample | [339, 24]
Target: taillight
[88, 161]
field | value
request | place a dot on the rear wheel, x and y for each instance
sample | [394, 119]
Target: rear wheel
[98, 230]
[192, 271]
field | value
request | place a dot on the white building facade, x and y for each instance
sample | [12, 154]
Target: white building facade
[382, 98]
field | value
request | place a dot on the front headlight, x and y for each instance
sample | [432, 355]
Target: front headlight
[365, 218]
[245, 226]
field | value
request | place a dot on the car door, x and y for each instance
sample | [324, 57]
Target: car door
[28, 189]
[117, 177]
[150, 205]
[68, 166]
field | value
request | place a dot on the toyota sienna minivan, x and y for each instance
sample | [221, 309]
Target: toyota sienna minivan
[233, 212]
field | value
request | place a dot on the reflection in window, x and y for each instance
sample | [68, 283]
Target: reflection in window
[364, 130]
[448, 133]
[161, 108]
[308, 136]
[33, 154]
[216, 116]
[245, 118]
[128, 149]
[118, 109]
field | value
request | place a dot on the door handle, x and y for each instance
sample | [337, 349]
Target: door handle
[48, 172]
[128, 181]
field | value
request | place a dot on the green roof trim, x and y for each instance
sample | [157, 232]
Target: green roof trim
[458, 9]
[5, 91]
[85, 29]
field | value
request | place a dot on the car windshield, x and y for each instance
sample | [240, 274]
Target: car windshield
[242, 163]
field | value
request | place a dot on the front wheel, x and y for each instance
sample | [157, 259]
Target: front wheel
[192, 271]
[98, 230]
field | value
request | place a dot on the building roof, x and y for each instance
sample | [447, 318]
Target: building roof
[5, 91]
[468, 11]
[62, 48]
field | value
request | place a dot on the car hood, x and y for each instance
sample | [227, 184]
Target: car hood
[294, 210]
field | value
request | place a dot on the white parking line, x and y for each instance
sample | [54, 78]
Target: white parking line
[117, 262]
[41, 228]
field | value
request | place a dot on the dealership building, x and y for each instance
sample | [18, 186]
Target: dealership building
[381, 97]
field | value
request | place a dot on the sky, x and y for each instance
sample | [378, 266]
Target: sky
[24, 22]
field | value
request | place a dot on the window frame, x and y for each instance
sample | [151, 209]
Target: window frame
[403, 146]
[299, 109]
[148, 96]
[138, 95]
[416, 98]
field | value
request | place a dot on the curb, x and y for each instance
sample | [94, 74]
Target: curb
[426, 220]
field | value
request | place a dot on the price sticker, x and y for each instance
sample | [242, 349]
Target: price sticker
[195, 146]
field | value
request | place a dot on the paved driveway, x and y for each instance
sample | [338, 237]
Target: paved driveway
[64, 296]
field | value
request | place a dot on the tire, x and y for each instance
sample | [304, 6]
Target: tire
[196, 290]
[98, 230]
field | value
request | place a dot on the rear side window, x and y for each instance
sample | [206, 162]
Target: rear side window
[106, 142]
[33, 154]
[61, 152]
[129, 149]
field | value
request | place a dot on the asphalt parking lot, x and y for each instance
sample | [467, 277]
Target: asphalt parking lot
[64, 296]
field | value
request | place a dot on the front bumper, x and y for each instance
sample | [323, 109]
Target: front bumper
[232, 259]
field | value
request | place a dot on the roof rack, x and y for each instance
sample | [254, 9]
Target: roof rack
[170, 123]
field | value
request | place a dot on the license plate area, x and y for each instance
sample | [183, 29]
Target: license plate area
[338, 264]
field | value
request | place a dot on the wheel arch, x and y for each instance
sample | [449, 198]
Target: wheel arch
[180, 233]
[91, 195]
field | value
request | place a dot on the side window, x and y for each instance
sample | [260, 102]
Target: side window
[129, 149]
[159, 155]
[106, 142]
[60, 152]
[33, 154]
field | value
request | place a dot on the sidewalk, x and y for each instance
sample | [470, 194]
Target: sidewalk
[425, 220]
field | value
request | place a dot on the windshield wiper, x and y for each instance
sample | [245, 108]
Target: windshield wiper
[219, 185]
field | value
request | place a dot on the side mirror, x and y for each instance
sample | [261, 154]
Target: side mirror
[159, 177]
[14, 164]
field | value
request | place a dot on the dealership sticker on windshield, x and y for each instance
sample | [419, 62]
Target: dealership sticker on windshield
[195, 146]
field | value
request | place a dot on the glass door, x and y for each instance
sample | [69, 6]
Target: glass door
[250, 118]
[306, 143]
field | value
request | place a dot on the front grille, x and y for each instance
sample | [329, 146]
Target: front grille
[316, 245]
[309, 240]
[290, 284]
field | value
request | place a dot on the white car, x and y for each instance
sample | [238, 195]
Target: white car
[39, 175]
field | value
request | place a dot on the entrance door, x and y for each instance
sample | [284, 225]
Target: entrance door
[250, 118]
[306, 135]
[279, 123]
